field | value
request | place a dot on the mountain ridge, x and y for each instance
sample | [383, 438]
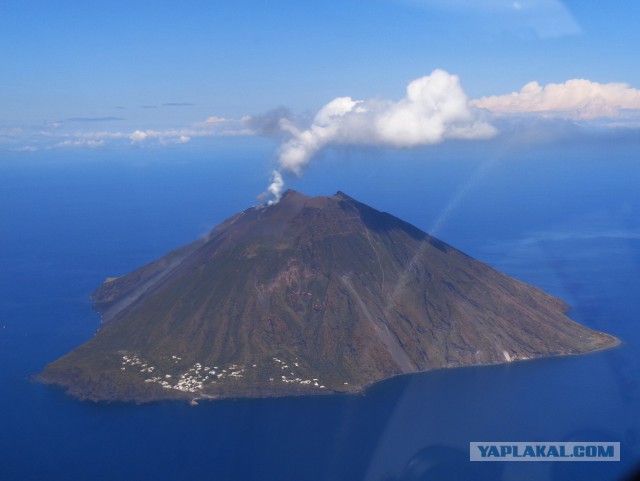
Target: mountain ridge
[308, 296]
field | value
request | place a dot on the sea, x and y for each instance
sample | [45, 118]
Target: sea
[565, 220]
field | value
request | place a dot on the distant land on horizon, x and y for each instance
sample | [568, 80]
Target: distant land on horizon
[308, 296]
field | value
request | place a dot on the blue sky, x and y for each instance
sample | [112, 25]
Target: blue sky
[99, 74]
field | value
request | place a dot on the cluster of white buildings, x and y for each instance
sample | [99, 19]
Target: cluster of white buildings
[135, 361]
[198, 376]
[293, 379]
[193, 380]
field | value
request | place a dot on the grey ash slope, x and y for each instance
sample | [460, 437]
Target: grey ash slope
[309, 296]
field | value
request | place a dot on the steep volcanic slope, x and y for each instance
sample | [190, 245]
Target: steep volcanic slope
[308, 296]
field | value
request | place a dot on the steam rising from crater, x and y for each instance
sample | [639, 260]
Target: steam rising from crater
[275, 187]
[434, 109]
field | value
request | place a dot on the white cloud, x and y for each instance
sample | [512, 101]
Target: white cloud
[216, 120]
[221, 126]
[138, 136]
[101, 135]
[573, 99]
[79, 143]
[182, 136]
[26, 148]
[435, 108]
[55, 136]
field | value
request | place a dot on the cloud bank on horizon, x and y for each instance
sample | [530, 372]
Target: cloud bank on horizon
[577, 99]
[54, 135]
[434, 109]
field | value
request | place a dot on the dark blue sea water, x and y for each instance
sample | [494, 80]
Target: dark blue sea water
[568, 225]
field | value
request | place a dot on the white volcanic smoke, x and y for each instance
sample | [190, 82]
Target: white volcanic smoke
[434, 109]
[275, 187]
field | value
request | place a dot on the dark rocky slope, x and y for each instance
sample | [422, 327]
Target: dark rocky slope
[308, 296]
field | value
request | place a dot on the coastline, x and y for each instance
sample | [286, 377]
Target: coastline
[74, 392]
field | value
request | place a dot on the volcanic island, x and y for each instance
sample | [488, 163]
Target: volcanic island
[308, 296]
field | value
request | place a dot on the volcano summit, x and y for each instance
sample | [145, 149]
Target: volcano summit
[308, 296]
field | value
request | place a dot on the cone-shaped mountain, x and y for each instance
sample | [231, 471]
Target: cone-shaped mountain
[308, 296]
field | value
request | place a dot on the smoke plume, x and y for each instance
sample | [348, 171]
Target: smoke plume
[434, 109]
[275, 187]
